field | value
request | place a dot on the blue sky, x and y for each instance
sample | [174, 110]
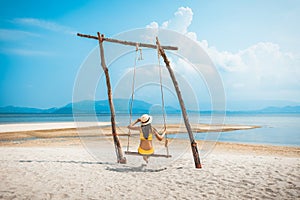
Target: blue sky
[255, 45]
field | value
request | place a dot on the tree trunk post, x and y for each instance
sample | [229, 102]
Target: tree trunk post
[119, 152]
[183, 109]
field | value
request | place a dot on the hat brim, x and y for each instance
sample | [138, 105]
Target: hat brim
[148, 121]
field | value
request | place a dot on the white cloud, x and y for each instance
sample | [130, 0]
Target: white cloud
[44, 24]
[152, 25]
[261, 71]
[180, 22]
[226, 61]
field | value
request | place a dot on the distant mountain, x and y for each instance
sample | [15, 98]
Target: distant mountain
[123, 105]
[270, 110]
[120, 105]
[88, 106]
[25, 110]
[285, 109]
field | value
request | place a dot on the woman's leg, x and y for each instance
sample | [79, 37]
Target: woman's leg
[146, 158]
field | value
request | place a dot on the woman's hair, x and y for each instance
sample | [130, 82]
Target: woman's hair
[146, 130]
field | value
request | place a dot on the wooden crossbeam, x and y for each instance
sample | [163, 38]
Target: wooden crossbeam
[153, 46]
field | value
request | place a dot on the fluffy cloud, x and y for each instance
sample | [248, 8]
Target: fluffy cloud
[261, 71]
[180, 22]
[152, 25]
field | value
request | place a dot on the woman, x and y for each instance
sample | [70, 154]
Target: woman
[146, 135]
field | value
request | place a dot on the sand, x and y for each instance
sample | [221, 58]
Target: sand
[8, 128]
[68, 168]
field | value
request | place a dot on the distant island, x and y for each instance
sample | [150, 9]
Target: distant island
[122, 106]
[89, 106]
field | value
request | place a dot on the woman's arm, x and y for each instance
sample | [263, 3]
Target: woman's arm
[157, 135]
[132, 127]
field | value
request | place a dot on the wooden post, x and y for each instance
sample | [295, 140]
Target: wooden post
[121, 158]
[183, 109]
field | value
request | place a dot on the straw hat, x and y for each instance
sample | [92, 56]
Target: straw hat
[146, 119]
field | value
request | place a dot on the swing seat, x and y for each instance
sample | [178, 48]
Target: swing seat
[133, 153]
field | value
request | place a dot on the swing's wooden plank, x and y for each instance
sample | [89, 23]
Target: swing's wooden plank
[127, 42]
[152, 155]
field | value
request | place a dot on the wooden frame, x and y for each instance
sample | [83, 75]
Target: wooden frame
[101, 39]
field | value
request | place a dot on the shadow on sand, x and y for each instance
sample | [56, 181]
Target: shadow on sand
[119, 168]
[142, 168]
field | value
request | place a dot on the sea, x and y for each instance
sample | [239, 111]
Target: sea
[275, 129]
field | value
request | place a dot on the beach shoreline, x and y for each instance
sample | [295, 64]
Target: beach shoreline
[72, 129]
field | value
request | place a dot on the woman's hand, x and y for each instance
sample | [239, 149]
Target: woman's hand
[158, 135]
[136, 121]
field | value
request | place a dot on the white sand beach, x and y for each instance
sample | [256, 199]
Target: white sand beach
[6, 128]
[64, 168]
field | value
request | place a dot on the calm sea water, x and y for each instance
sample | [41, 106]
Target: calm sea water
[276, 129]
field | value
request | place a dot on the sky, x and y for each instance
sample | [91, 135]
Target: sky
[254, 45]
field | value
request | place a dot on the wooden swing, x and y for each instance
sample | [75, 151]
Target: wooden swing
[133, 153]
[161, 49]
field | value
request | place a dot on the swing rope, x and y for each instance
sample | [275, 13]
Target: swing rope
[132, 93]
[162, 100]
